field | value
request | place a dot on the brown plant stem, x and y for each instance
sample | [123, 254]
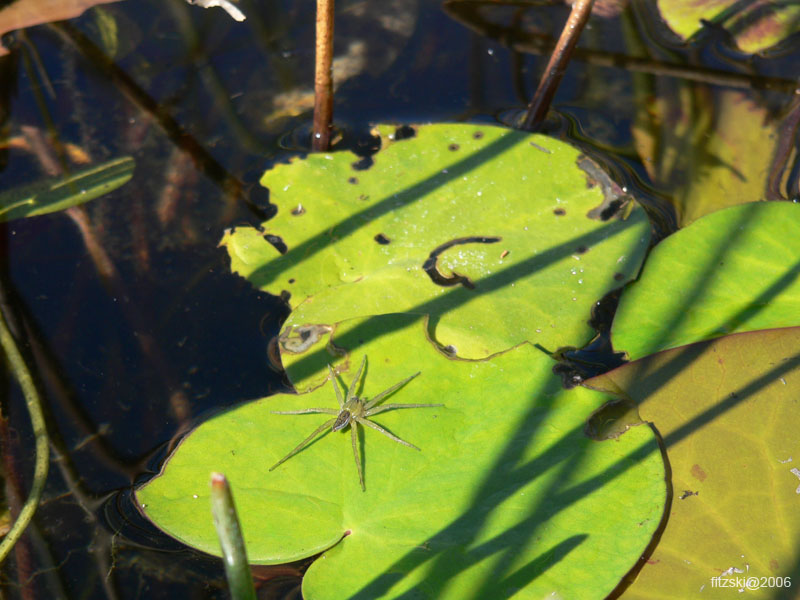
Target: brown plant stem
[557, 65]
[323, 78]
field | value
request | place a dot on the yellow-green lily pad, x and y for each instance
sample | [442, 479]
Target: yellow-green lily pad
[500, 236]
[507, 495]
[728, 413]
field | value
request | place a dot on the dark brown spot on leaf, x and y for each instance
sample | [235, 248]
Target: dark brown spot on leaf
[477, 135]
[353, 180]
[698, 473]
[405, 132]
[542, 148]
[382, 239]
[618, 276]
[581, 249]
[298, 210]
[453, 147]
[363, 164]
[277, 242]
[559, 212]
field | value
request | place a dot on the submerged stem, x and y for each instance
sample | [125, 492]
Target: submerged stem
[33, 403]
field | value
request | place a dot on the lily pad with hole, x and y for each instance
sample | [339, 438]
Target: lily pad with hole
[733, 270]
[500, 236]
[61, 193]
[507, 496]
[728, 413]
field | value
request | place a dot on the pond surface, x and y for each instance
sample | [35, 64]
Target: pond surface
[135, 326]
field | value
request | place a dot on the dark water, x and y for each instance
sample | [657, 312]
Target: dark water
[129, 358]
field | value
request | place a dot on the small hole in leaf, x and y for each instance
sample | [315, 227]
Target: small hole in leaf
[559, 212]
[276, 241]
[405, 132]
[363, 164]
[382, 239]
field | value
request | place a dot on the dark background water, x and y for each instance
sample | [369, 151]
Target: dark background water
[129, 359]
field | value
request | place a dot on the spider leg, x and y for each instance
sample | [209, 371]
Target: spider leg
[327, 411]
[354, 437]
[386, 392]
[384, 432]
[336, 387]
[304, 443]
[380, 409]
[351, 393]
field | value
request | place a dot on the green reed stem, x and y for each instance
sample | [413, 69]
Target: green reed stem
[234, 554]
[33, 403]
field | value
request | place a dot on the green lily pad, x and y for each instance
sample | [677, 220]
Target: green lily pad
[507, 495]
[755, 26]
[60, 193]
[728, 414]
[731, 271]
[500, 236]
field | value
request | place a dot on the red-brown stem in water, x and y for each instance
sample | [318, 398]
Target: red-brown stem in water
[557, 65]
[323, 78]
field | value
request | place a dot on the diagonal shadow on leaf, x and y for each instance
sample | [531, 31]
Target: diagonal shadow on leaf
[725, 272]
[719, 411]
[301, 368]
[477, 513]
[270, 271]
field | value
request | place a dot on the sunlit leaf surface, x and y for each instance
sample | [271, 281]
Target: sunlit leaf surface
[733, 270]
[507, 496]
[729, 416]
[501, 236]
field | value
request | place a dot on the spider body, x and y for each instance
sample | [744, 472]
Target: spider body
[353, 411]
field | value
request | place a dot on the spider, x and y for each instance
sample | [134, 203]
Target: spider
[352, 411]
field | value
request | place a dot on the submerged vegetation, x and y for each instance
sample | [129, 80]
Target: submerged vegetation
[650, 220]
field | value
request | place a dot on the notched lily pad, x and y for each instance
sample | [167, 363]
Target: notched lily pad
[440, 200]
[505, 497]
[727, 411]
